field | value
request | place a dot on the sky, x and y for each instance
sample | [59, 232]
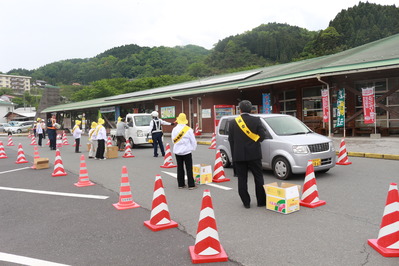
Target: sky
[38, 32]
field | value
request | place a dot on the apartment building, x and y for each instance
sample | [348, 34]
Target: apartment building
[18, 83]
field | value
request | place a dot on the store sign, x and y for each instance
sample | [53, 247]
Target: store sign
[107, 109]
[324, 98]
[368, 105]
[340, 108]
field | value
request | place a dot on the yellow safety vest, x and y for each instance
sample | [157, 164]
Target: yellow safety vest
[241, 124]
[181, 134]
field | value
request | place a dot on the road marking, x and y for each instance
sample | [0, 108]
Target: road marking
[55, 193]
[210, 184]
[26, 260]
[9, 171]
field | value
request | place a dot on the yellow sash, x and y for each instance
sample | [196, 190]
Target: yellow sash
[181, 134]
[241, 124]
[75, 127]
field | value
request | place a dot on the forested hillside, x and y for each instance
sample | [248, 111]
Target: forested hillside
[120, 69]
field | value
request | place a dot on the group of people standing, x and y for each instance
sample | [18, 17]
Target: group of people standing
[245, 136]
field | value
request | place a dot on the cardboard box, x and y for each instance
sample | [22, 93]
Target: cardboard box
[41, 163]
[202, 173]
[282, 198]
[112, 152]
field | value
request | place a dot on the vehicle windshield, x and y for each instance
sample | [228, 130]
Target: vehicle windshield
[142, 120]
[287, 125]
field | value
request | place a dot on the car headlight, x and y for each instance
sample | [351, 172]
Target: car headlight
[300, 149]
[332, 146]
[140, 133]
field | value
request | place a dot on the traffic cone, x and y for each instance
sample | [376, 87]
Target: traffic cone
[29, 135]
[207, 247]
[310, 195]
[10, 143]
[160, 217]
[342, 155]
[168, 161]
[33, 141]
[83, 175]
[58, 166]
[64, 138]
[387, 243]
[48, 142]
[125, 195]
[197, 131]
[35, 156]
[109, 141]
[218, 170]
[59, 141]
[213, 142]
[3, 154]
[21, 155]
[128, 151]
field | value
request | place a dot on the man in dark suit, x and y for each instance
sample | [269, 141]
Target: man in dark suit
[246, 133]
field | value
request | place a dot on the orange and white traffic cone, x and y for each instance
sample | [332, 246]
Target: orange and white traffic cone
[35, 156]
[168, 160]
[125, 195]
[64, 139]
[160, 217]
[84, 180]
[29, 135]
[33, 141]
[197, 131]
[58, 166]
[387, 243]
[342, 155]
[218, 170]
[207, 247]
[109, 141]
[213, 142]
[21, 155]
[59, 141]
[48, 142]
[10, 142]
[128, 151]
[310, 195]
[3, 154]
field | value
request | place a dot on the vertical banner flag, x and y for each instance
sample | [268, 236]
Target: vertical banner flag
[340, 108]
[83, 122]
[368, 105]
[266, 103]
[324, 98]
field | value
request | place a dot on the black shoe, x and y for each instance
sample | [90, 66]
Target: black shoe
[247, 206]
[191, 188]
[155, 155]
[262, 205]
[182, 187]
[78, 152]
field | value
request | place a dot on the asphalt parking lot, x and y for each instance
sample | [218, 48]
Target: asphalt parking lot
[334, 234]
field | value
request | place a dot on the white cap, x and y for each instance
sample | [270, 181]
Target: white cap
[154, 114]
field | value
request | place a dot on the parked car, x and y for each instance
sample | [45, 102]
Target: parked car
[288, 148]
[138, 131]
[22, 127]
[4, 126]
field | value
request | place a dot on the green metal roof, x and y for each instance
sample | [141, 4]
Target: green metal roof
[380, 54]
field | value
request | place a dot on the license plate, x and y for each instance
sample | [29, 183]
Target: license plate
[316, 162]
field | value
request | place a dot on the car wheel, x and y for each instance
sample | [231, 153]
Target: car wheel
[19, 131]
[225, 159]
[281, 168]
[132, 145]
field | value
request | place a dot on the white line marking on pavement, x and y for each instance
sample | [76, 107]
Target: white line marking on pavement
[210, 184]
[9, 171]
[26, 260]
[55, 193]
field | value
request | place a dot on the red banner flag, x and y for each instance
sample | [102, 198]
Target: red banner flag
[324, 98]
[368, 105]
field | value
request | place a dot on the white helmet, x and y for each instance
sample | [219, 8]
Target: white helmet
[154, 114]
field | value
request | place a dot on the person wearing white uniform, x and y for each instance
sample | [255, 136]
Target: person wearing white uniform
[77, 133]
[184, 144]
[92, 140]
[39, 130]
[101, 136]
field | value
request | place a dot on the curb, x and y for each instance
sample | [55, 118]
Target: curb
[373, 155]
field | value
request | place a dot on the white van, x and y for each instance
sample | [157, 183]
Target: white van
[288, 148]
[138, 129]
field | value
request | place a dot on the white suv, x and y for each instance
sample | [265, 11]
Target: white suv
[289, 146]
